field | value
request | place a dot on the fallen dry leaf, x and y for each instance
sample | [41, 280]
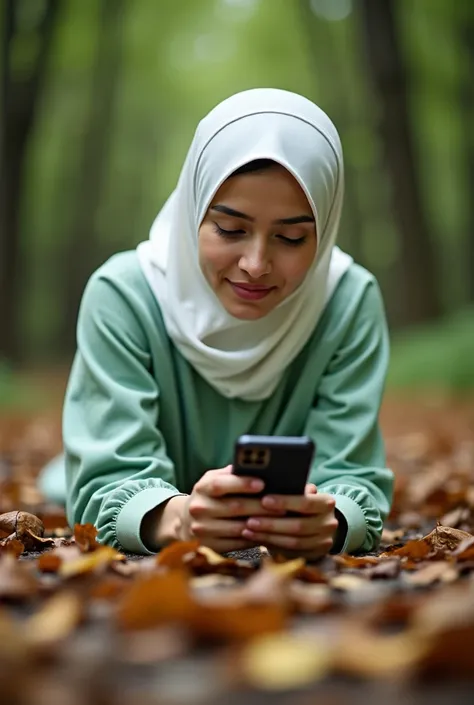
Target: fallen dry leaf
[155, 600]
[364, 653]
[347, 582]
[16, 580]
[85, 537]
[87, 563]
[392, 536]
[172, 556]
[54, 621]
[11, 545]
[283, 661]
[347, 561]
[310, 598]
[431, 573]
[445, 538]
[49, 562]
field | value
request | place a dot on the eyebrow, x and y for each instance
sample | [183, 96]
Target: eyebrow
[283, 221]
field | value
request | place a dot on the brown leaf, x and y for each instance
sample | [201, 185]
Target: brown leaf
[110, 587]
[153, 645]
[386, 569]
[345, 560]
[363, 653]
[154, 600]
[445, 623]
[310, 598]
[416, 550]
[456, 517]
[54, 621]
[465, 550]
[16, 580]
[238, 622]
[85, 536]
[49, 562]
[11, 545]
[389, 537]
[432, 572]
[172, 556]
[36, 543]
[445, 538]
[204, 560]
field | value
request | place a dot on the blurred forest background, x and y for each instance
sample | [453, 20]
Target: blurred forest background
[100, 99]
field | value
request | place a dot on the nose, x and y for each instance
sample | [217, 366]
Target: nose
[255, 261]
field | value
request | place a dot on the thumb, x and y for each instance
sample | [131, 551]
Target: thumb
[311, 489]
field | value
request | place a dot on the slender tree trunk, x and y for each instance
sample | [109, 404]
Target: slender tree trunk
[82, 250]
[467, 105]
[418, 281]
[322, 53]
[20, 99]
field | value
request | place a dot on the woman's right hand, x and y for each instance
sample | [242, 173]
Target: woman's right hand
[216, 518]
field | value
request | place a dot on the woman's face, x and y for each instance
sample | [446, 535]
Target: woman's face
[257, 241]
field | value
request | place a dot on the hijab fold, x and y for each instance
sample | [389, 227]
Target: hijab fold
[240, 358]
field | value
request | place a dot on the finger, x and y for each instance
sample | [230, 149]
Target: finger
[218, 484]
[217, 528]
[293, 543]
[318, 503]
[315, 525]
[310, 489]
[227, 507]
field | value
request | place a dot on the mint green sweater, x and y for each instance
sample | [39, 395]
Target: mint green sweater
[140, 425]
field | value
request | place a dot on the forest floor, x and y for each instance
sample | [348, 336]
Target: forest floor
[81, 623]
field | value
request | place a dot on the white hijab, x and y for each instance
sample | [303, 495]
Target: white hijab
[240, 358]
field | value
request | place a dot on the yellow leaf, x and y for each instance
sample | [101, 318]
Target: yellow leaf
[283, 661]
[54, 621]
[89, 561]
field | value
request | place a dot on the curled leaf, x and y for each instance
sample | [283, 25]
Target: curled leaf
[89, 562]
[85, 537]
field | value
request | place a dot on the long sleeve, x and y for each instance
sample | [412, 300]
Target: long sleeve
[117, 468]
[350, 456]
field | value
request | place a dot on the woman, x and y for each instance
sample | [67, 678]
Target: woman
[238, 315]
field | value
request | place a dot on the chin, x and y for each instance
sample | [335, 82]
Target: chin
[246, 313]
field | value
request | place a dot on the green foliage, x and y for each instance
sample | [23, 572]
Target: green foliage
[178, 59]
[439, 356]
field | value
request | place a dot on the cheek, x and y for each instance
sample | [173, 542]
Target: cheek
[214, 256]
[294, 269]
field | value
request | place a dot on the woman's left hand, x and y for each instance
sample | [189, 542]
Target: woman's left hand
[310, 535]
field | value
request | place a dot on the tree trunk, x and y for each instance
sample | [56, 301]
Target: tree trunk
[467, 105]
[20, 99]
[417, 279]
[82, 251]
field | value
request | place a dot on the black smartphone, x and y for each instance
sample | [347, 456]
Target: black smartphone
[282, 462]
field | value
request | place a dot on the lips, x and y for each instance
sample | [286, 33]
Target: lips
[250, 292]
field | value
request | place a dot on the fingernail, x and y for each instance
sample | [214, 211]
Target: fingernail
[257, 485]
[271, 502]
[254, 524]
[247, 534]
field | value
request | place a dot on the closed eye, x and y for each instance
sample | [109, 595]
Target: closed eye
[227, 233]
[293, 242]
